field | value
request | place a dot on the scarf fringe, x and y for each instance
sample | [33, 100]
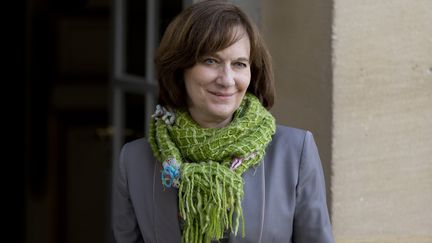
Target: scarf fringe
[210, 197]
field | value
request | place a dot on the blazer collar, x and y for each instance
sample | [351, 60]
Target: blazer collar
[165, 204]
[253, 206]
[166, 221]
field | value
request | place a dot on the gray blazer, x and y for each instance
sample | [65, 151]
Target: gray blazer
[284, 198]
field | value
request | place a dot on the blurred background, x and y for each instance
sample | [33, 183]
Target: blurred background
[358, 74]
[87, 68]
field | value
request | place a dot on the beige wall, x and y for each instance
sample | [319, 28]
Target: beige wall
[359, 75]
[382, 130]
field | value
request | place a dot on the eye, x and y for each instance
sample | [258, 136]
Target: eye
[240, 65]
[209, 61]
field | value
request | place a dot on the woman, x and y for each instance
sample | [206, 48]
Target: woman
[215, 166]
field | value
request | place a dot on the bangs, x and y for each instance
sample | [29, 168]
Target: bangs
[223, 33]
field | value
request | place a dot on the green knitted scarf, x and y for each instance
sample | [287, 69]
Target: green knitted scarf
[206, 164]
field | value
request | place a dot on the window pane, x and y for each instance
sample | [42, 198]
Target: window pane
[168, 9]
[134, 116]
[136, 26]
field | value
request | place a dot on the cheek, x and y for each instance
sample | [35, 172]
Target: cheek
[194, 90]
[191, 91]
[245, 81]
[190, 81]
[196, 77]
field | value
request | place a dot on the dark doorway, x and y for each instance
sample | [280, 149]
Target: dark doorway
[67, 109]
[67, 49]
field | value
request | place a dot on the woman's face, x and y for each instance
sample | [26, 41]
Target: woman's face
[217, 83]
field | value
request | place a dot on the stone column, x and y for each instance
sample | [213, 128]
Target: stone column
[359, 75]
[382, 121]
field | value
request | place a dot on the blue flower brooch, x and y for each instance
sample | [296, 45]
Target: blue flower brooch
[171, 173]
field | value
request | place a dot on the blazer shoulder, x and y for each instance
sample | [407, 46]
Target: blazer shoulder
[135, 151]
[140, 145]
[137, 144]
[287, 142]
[290, 135]
[282, 129]
[290, 141]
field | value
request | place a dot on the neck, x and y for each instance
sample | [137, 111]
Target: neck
[210, 123]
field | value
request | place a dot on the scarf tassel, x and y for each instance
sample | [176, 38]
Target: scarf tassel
[210, 198]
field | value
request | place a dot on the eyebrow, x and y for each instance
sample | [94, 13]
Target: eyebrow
[239, 59]
[242, 59]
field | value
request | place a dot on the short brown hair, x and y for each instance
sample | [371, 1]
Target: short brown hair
[203, 28]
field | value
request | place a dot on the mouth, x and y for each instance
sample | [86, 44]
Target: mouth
[221, 94]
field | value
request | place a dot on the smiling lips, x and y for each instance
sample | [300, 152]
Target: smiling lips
[221, 95]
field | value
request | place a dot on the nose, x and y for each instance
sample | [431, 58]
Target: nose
[226, 76]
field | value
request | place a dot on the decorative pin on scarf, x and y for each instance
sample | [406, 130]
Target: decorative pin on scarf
[171, 173]
[162, 113]
[236, 162]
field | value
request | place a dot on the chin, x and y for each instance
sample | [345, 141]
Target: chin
[223, 114]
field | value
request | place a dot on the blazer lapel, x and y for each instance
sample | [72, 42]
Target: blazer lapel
[167, 229]
[253, 206]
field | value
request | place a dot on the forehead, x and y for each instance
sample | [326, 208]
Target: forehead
[238, 32]
[238, 41]
[238, 50]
